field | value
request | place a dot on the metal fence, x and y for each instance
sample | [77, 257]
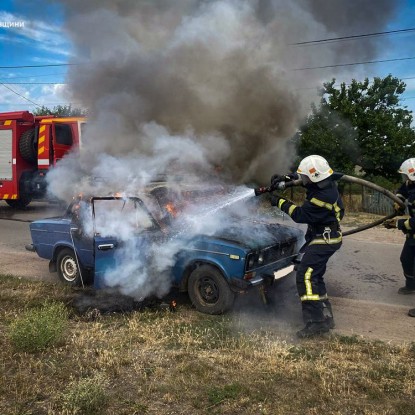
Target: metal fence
[375, 202]
[356, 198]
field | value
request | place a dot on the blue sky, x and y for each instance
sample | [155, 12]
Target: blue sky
[42, 40]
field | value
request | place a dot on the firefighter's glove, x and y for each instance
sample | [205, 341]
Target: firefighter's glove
[390, 223]
[400, 224]
[276, 179]
[400, 210]
[275, 199]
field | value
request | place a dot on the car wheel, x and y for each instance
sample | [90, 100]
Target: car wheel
[209, 291]
[67, 267]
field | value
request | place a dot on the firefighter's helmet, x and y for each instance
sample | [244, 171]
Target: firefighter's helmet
[408, 168]
[316, 168]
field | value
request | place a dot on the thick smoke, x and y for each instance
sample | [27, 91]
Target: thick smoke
[220, 73]
[197, 89]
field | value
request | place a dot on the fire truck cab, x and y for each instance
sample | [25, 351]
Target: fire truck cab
[29, 146]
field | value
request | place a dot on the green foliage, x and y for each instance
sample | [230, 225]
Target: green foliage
[38, 329]
[361, 124]
[86, 396]
[391, 185]
[219, 394]
[61, 111]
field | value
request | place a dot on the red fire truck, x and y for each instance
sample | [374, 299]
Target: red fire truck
[29, 146]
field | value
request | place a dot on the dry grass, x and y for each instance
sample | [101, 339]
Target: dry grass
[188, 363]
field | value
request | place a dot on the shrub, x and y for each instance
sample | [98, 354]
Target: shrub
[86, 396]
[38, 329]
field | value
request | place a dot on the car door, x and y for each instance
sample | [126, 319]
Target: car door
[124, 233]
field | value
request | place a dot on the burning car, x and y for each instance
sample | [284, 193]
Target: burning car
[140, 254]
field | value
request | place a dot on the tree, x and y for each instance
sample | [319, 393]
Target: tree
[60, 111]
[362, 125]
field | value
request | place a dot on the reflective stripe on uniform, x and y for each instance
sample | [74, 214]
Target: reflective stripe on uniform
[407, 225]
[329, 241]
[290, 210]
[309, 296]
[335, 207]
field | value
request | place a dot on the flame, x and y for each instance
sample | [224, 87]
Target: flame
[117, 194]
[171, 209]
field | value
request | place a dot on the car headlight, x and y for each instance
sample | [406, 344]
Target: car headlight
[251, 261]
[260, 258]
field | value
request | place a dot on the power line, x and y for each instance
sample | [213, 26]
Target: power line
[347, 84]
[35, 83]
[342, 38]
[20, 95]
[353, 64]
[43, 104]
[39, 66]
[32, 76]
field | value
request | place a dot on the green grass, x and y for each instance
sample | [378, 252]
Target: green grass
[38, 329]
[156, 362]
[86, 396]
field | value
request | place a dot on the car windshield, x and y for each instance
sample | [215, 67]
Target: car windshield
[113, 217]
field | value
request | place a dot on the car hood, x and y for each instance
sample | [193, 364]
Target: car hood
[257, 235]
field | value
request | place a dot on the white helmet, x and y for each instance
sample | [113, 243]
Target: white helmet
[315, 167]
[408, 168]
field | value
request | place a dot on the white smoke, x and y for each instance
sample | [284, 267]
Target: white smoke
[178, 89]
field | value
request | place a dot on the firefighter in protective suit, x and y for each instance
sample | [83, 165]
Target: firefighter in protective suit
[407, 193]
[322, 211]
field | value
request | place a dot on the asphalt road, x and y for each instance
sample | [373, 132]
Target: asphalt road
[362, 278]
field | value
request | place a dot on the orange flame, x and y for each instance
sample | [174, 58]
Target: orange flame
[171, 209]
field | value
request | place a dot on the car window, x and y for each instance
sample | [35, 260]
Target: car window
[121, 216]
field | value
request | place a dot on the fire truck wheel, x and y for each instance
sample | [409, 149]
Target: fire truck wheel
[209, 291]
[20, 203]
[27, 146]
[67, 268]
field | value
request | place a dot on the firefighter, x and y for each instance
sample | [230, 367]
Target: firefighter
[407, 193]
[322, 211]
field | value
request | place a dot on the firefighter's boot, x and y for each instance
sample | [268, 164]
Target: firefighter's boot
[411, 312]
[328, 314]
[313, 328]
[409, 287]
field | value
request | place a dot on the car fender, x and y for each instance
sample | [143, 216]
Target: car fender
[56, 249]
[186, 269]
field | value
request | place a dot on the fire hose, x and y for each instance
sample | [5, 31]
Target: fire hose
[350, 179]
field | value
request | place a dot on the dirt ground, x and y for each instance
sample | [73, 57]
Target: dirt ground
[376, 320]
[368, 260]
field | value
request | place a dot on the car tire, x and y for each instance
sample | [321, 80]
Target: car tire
[209, 291]
[67, 268]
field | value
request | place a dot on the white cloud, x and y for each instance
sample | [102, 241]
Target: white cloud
[48, 95]
[37, 33]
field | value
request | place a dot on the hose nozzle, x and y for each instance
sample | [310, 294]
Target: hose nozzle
[261, 190]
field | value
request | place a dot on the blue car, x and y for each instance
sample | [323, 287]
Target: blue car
[86, 246]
